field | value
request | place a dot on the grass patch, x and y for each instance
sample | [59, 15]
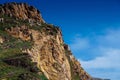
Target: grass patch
[9, 53]
[15, 65]
[18, 67]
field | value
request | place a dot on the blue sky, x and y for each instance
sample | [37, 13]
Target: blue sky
[91, 28]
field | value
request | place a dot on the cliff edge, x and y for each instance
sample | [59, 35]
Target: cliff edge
[31, 49]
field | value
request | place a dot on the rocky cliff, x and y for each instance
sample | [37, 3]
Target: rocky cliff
[31, 49]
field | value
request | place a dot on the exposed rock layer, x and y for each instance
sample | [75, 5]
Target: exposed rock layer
[52, 56]
[21, 10]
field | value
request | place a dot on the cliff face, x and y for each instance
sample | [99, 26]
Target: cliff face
[42, 43]
[21, 10]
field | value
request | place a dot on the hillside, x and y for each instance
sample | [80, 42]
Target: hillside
[31, 49]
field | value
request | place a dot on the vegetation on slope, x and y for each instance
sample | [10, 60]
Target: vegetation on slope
[14, 64]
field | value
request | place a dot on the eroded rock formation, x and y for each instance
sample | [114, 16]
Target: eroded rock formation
[52, 56]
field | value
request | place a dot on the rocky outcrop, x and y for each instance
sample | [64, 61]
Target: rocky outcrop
[21, 11]
[77, 72]
[51, 55]
[22, 32]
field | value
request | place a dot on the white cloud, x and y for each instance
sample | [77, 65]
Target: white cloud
[107, 45]
[110, 59]
[79, 43]
[110, 38]
[105, 73]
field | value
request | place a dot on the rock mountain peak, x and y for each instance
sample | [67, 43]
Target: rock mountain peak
[31, 49]
[21, 11]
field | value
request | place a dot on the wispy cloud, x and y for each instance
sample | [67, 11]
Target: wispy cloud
[110, 38]
[110, 59]
[79, 43]
[105, 48]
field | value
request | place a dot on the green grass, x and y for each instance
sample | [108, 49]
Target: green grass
[18, 63]
[9, 53]
[10, 71]
[13, 73]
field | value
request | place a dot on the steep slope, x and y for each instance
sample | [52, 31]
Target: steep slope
[31, 48]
